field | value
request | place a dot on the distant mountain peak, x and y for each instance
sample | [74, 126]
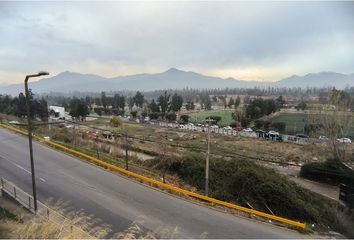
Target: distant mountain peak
[173, 78]
[173, 70]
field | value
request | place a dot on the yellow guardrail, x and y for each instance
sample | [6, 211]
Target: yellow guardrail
[164, 185]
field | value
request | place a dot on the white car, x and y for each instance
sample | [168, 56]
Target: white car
[323, 138]
[344, 140]
[273, 133]
[228, 128]
[247, 130]
[14, 122]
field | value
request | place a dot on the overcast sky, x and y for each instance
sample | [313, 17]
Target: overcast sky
[252, 41]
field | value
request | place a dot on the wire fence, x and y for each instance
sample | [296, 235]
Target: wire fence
[27, 201]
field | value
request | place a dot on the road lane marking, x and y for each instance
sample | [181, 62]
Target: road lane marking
[20, 167]
[24, 169]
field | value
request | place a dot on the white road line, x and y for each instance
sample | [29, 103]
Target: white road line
[24, 169]
[20, 167]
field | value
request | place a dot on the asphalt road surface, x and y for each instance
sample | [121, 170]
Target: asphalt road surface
[117, 200]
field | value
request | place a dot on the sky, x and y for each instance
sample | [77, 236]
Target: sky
[261, 41]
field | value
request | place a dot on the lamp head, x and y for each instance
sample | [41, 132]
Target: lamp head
[42, 73]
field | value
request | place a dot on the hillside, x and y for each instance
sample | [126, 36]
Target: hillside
[171, 79]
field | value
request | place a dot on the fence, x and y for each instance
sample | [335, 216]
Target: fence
[27, 201]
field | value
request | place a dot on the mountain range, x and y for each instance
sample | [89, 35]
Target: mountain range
[173, 78]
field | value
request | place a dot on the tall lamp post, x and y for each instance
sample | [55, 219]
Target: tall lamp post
[29, 127]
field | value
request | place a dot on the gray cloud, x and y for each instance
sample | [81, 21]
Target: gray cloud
[293, 37]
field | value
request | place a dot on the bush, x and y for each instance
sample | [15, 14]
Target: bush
[278, 126]
[262, 124]
[61, 134]
[331, 171]
[171, 116]
[116, 121]
[245, 122]
[134, 113]
[245, 182]
[184, 118]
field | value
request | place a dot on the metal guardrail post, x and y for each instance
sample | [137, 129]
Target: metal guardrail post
[2, 182]
[15, 191]
[48, 213]
[29, 202]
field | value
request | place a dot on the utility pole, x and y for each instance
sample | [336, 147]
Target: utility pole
[29, 129]
[97, 152]
[74, 133]
[207, 160]
[126, 150]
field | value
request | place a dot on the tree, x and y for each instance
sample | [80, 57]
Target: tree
[139, 99]
[336, 123]
[154, 107]
[176, 102]
[164, 102]
[131, 103]
[190, 105]
[78, 109]
[301, 106]
[280, 102]
[134, 113]
[231, 102]
[207, 105]
[104, 100]
[21, 105]
[237, 102]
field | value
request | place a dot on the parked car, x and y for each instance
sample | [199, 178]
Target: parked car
[273, 133]
[323, 138]
[301, 135]
[344, 140]
[247, 130]
[228, 128]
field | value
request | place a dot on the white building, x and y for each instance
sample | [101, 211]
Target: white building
[56, 112]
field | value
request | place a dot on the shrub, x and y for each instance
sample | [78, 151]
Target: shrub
[245, 182]
[134, 113]
[184, 118]
[331, 171]
[278, 126]
[61, 134]
[116, 122]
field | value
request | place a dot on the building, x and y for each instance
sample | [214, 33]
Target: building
[56, 112]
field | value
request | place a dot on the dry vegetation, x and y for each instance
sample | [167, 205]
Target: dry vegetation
[80, 226]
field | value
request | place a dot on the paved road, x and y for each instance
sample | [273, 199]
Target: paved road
[118, 201]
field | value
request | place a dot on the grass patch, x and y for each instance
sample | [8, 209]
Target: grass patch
[199, 117]
[5, 214]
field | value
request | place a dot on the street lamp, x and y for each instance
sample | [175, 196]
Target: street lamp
[29, 127]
